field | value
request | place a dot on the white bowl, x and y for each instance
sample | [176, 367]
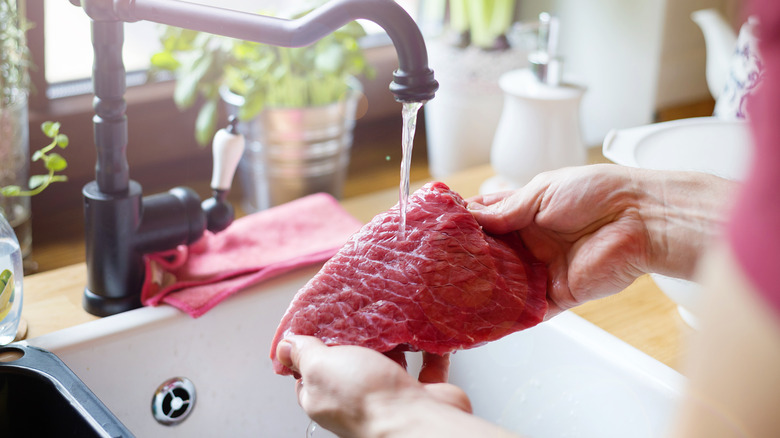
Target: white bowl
[702, 144]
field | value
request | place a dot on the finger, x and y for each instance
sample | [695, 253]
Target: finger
[398, 356]
[553, 309]
[450, 394]
[488, 198]
[435, 368]
[507, 214]
[299, 388]
[294, 352]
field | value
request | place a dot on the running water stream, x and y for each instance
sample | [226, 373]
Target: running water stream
[409, 113]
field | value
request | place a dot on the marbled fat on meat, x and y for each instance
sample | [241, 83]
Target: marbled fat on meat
[447, 286]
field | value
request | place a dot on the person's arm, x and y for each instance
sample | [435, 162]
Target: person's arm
[734, 360]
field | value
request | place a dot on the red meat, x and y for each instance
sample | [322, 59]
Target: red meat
[446, 286]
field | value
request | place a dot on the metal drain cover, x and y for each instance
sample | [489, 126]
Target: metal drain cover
[173, 401]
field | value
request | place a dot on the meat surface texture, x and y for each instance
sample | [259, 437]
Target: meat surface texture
[446, 285]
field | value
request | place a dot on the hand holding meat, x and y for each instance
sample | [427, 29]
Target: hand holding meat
[600, 227]
[358, 392]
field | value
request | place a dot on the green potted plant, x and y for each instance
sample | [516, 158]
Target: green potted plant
[296, 105]
[481, 23]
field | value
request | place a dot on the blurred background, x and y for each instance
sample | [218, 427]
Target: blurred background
[641, 61]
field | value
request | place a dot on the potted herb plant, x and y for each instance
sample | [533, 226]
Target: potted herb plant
[469, 56]
[296, 105]
[11, 271]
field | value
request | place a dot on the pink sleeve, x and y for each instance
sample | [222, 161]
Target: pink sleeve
[754, 229]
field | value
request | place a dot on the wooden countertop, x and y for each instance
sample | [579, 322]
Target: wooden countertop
[641, 315]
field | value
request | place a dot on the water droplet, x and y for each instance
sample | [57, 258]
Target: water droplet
[311, 429]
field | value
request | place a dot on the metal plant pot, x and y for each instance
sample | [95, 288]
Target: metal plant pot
[294, 152]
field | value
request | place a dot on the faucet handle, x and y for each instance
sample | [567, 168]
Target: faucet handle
[227, 148]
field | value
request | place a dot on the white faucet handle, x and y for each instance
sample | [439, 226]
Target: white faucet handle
[227, 148]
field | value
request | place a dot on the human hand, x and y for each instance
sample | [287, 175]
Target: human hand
[354, 391]
[600, 227]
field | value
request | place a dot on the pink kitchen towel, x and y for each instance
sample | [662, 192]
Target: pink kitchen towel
[254, 248]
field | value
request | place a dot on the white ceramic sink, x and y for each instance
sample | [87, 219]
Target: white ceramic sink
[563, 378]
[568, 378]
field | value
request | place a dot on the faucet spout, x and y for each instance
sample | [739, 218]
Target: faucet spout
[413, 81]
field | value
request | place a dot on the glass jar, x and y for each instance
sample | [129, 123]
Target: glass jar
[11, 276]
[15, 166]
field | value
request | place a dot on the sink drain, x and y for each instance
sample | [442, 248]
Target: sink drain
[173, 401]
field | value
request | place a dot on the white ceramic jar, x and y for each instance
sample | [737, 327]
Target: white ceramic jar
[539, 130]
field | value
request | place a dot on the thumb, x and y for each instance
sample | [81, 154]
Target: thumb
[450, 394]
[294, 352]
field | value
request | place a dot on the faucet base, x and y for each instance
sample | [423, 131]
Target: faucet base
[103, 306]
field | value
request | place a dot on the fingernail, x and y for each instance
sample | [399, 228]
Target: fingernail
[284, 352]
[474, 206]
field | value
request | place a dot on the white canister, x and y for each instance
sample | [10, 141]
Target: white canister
[539, 130]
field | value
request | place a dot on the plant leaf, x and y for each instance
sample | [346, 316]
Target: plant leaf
[62, 141]
[206, 123]
[55, 163]
[189, 76]
[178, 39]
[38, 180]
[234, 80]
[253, 104]
[165, 61]
[50, 129]
[11, 191]
[329, 59]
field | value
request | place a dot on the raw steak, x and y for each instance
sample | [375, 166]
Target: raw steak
[446, 286]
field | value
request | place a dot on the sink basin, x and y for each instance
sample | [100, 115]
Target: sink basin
[40, 396]
[568, 378]
[565, 377]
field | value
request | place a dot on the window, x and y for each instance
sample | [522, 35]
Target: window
[68, 49]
